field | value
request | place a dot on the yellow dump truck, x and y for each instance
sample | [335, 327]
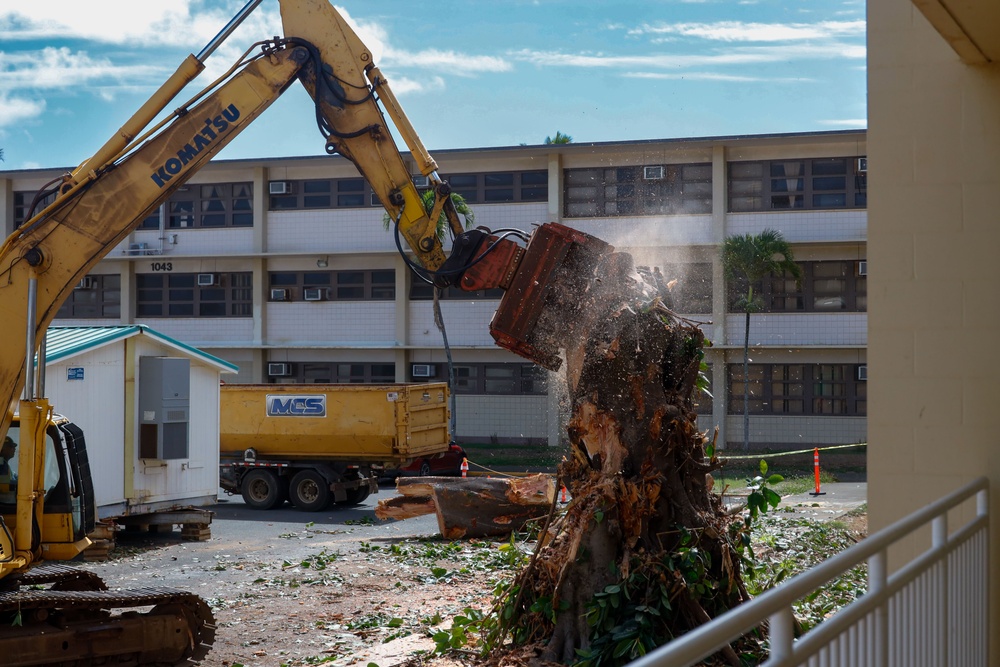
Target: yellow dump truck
[319, 444]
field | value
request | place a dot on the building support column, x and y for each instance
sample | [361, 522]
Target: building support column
[720, 197]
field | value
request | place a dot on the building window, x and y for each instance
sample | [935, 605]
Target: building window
[194, 294]
[510, 379]
[799, 389]
[319, 372]
[826, 286]
[96, 296]
[421, 291]
[377, 285]
[648, 190]
[329, 193]
[778, 185]
[205, 206]
[501, 187]
[22, 204]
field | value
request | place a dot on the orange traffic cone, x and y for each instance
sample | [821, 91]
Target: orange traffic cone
[562, 498]
[465, 467]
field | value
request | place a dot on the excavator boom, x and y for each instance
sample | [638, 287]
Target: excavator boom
[544, 281]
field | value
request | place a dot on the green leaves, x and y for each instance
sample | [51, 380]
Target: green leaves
[762, 498]
[463, 628]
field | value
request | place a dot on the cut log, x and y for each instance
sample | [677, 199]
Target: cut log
[474, 506]
[404, 507]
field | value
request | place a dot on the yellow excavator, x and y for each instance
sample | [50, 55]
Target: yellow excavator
[52, 614]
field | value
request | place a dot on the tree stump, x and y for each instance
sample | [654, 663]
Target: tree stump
[645, 550]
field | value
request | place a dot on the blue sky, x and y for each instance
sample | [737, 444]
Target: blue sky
[468, 74]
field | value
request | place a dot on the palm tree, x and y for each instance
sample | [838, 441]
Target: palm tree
[747, 259]
[560, 138]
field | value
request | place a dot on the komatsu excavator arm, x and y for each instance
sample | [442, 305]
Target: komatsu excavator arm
[543, 277]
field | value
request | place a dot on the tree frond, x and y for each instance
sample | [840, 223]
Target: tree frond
[427, 199]
[748, 304]
[756, 256]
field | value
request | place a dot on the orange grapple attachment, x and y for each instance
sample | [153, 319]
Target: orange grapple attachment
[547, 293]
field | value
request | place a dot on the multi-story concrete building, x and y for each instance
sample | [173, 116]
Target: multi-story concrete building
[285, 268]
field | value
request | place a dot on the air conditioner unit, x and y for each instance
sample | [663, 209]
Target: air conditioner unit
[421, 182]
[279, 188]
[315, 294]
[862, 166]
[423, 370]
[863, 267]
[280, 369]
[86, 283]
[863, 373]
[652, 173]
[280, 295]
[208, 279]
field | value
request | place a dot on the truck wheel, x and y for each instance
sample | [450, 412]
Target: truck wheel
[309, 491]
[357, 496]
[261, 490]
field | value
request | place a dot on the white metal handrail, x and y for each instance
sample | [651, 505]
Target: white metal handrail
[931, 612]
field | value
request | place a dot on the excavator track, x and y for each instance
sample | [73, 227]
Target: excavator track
[58, 577]
[75, 627]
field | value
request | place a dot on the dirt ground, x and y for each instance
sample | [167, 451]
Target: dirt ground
[379, 604]
[339, 595]
[366, 610]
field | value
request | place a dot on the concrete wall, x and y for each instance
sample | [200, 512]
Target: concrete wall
[933, 238]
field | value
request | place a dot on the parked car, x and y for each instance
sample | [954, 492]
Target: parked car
[446, 464]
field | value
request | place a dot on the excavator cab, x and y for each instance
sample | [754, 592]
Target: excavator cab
[67, 492]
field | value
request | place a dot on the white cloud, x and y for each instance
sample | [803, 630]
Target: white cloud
[734, 56]
[178, 22]
[736, 31]
[404, 85]
[453, 62]
[62, 68]
[16, 110]
[694, 76]
[150, 42]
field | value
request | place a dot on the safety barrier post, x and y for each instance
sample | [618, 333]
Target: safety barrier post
[817, 492]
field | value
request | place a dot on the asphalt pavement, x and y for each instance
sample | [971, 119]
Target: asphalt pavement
[835, 500]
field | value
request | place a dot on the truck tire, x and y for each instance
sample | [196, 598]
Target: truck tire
[308, 491]
[262, 490]
[357, 496]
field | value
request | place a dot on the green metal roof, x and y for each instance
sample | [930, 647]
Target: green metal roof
[65, 342]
